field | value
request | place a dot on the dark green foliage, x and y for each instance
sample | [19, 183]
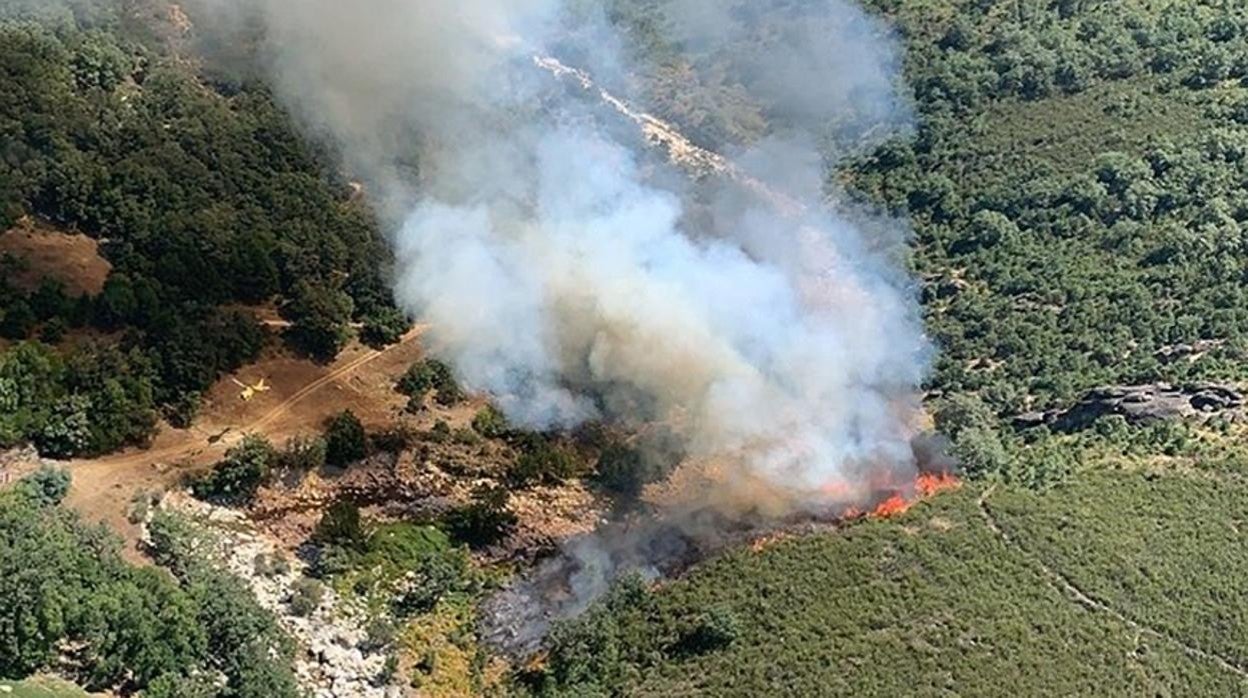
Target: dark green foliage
[48, 485]
[205, 200]
[591, 655]
[62, 581]
[485, 520]
[490, 423]
[430, 375]
[144, 629]
[345, 440]
[321, 318]
[95, 400]
[237, 477]
[624, 471]
[18, 320]
[383, 327]
[713, 630]
[341, 526]
[244, 641]
[542, 461]
[1065, 240]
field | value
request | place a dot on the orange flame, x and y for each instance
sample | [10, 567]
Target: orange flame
[892, 506]
[926, 485]
[929, 484]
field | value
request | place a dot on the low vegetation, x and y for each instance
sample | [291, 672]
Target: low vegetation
[937, 603]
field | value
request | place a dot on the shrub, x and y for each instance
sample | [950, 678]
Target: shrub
[485, 520]
[306, 597]
[341, 526]
[303, 454]
[712, 631]
[345, 440]
[48, 485]
[430, 375]
[490, 422]
[383, 327]
[542, 462]
[237, 477]
[980, 452]
[623, 471]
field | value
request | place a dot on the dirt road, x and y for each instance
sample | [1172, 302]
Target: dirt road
[360, 380]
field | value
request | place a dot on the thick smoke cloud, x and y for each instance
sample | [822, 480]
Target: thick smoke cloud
[780, 343]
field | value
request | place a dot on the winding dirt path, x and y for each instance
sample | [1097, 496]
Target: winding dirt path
[1064, 585]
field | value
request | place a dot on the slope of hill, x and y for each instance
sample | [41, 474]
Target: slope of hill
[1074, 188]
[1124, 582]
[1074, 182]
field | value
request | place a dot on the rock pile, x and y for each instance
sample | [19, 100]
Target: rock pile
[1141, 404]
[338, 661]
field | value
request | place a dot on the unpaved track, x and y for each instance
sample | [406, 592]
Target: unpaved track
[103, 487]
[1064, 585]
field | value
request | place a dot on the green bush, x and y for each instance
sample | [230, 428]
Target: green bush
[490, 422]
[303, 454]
[384, 327]
[237, 477]
[430, 375]
[345, 440]
[483, 521]
[48, 485]
[542, 461]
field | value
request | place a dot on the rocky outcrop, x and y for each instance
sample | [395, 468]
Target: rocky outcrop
[17, 463]
[1141, 404]
[337, 659]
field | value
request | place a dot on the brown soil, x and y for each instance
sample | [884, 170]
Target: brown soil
[426, 479]
[303, 396]
[47, 253]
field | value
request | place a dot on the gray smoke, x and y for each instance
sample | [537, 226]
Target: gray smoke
[566, 275]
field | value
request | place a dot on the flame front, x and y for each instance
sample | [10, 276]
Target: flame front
[926, 485]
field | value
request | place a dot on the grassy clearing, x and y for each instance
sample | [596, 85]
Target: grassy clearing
[41, 687]
[1062, 134]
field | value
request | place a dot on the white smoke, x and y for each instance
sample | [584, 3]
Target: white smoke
[559, 276]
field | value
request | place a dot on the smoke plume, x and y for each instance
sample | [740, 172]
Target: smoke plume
[565, 271]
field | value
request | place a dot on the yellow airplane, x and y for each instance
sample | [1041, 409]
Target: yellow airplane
[249, 391]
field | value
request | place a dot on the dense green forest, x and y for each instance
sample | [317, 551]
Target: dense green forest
[63, 584]
[203, 197]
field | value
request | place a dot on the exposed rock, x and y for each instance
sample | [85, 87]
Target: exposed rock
[1190, 352]
[17, 463]
[1141, 404]
[335, 661]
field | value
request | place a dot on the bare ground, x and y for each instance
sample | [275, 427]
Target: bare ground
[303, 396]
[47, 253]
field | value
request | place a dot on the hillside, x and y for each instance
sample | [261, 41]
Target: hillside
[1073, 186]
[1114, 582]
[304, 489]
